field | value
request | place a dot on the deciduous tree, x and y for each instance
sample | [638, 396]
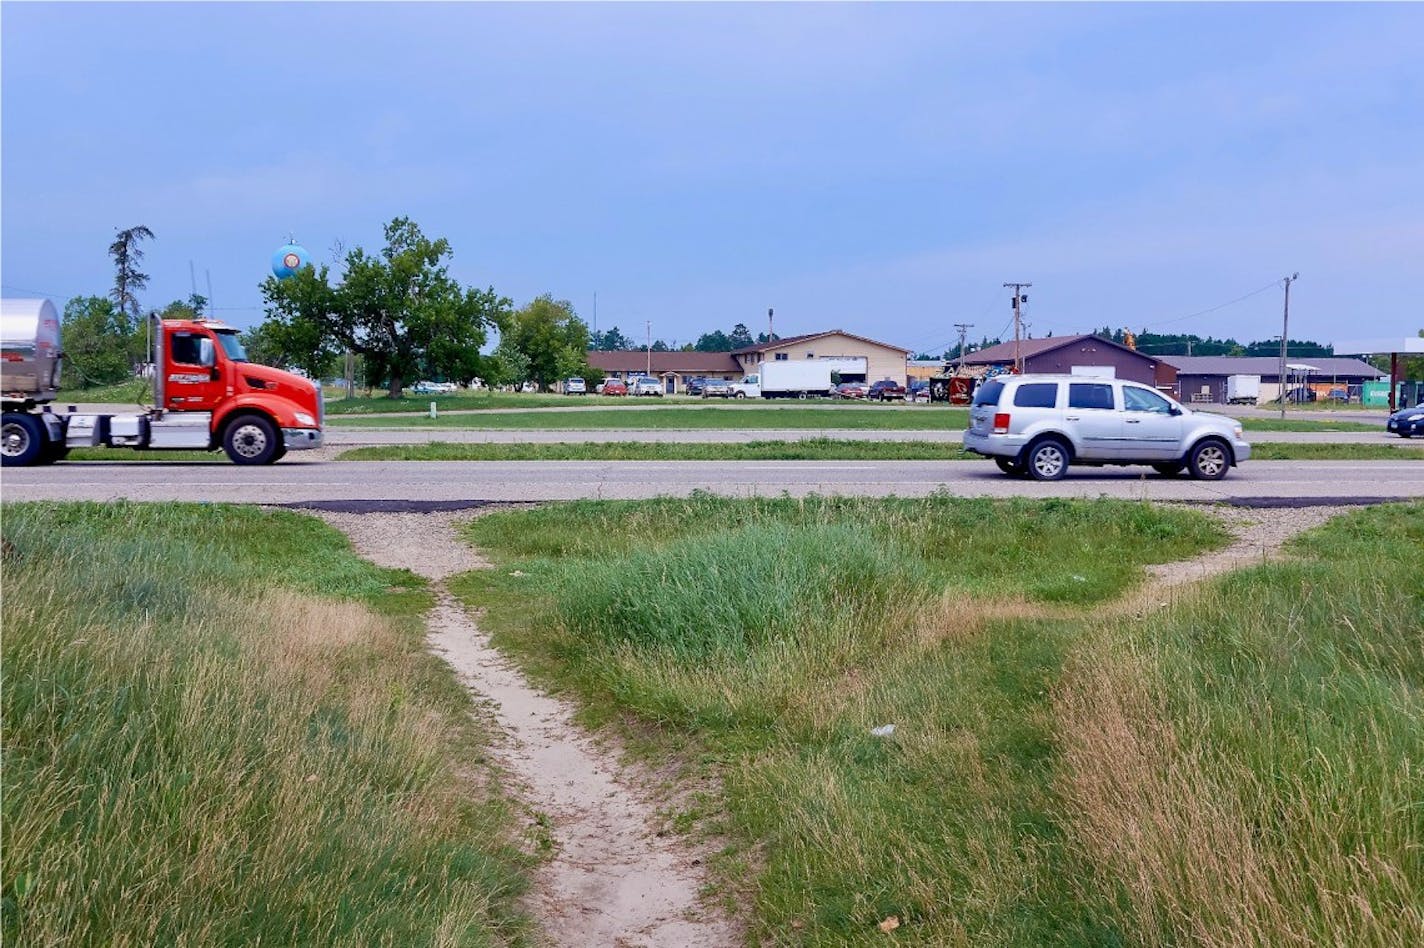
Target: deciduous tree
[400, 309]
[551, 336]
[101, 341]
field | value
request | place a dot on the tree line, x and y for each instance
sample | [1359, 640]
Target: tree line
[399, 312]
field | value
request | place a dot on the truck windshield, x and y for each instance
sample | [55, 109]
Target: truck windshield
[231, 346]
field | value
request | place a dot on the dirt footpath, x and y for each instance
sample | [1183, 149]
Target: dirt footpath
[613, 880]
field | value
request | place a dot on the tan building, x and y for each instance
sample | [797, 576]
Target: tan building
[880, 359]
[672, 369]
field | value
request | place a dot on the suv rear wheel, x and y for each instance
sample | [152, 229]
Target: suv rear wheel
[1047, 460]
[1010, 466]
[1209, 459]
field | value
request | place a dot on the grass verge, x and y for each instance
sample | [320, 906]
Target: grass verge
[898, 418]
[771, 636]
[222, 728]
[1245, 769]
[1306, 424]
[811, 449]
[1238, 765]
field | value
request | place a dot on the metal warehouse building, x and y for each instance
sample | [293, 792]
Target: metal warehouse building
[1203, 378]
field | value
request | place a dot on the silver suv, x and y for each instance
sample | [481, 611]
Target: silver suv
[1040, 424]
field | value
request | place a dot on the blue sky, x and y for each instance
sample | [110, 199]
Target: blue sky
[880, 168]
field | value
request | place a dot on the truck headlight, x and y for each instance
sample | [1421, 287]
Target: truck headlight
[304, 419]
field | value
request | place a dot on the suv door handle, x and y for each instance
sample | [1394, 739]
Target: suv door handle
[1134, 421]
[1071, 418]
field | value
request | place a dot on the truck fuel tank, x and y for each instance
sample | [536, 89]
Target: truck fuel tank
[29, 350]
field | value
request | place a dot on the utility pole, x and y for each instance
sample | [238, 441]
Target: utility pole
[963, 332]
[650, 347]
[1019, 297]
[770, 331]
[1285, 336]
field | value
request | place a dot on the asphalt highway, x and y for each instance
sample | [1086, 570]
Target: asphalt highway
[296, 481]
[350, 437]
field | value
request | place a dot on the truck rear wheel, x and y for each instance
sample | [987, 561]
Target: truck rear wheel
[22, 439]
[251, 439]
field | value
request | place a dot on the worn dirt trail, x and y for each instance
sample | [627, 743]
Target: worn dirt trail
[613, 881]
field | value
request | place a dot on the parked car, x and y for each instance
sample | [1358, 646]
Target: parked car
[1039, 425]
[849, 390]
[693, 386]
[575, 386]
[716, 388]
[614, 387]
[885, 390]
[646, 385]
[1407, 422]
[433, 388]
[918, 392]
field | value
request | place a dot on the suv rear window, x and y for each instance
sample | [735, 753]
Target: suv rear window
[988, 394]
[1089, 395]
[1036, 395]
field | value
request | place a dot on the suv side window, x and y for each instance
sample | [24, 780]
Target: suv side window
[1140, 399]
[1036, 395]
[1090, 395]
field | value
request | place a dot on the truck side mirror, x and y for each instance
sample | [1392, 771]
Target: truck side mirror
[206, 355]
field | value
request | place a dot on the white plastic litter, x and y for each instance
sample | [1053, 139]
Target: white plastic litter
[884, 730]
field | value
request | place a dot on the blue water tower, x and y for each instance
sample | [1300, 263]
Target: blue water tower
[288, 259]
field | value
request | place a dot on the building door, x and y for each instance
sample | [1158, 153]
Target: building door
[670, 384]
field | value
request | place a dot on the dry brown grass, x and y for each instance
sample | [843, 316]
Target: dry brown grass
[1176, 830]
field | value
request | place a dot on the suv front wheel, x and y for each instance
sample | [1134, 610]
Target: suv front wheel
[1209, 460]
[1047, 460]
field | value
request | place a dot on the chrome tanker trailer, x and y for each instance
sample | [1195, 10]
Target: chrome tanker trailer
[206, 395]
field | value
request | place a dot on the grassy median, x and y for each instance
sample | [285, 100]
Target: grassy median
[222, 728]
[810, 449]
[1234, 767]
[877, 417]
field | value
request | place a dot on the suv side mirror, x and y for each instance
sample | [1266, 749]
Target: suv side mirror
[1174, 410]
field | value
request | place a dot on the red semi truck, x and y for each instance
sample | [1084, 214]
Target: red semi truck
[206, 395]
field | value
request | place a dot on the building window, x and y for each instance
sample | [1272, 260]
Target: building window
[782, 356]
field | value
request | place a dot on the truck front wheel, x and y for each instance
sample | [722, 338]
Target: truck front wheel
[251, 439]
[22, 439]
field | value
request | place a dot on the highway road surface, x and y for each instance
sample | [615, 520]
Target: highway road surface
[352, 437]
[301, 482]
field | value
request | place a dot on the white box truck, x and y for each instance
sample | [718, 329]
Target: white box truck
[1243, 389]
[795, 378]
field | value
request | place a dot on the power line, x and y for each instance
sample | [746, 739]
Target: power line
[1178, 319]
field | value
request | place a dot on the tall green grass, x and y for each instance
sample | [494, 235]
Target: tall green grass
[1249, 769]
[772, 635]
[222, 728]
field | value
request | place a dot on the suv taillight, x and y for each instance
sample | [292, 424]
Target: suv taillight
[1001, 423]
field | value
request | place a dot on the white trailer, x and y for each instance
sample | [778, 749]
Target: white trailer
[1243, 389]
[795, 378]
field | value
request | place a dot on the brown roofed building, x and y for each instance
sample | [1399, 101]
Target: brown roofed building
[673, 368]
[879, 359]
[1078, 355]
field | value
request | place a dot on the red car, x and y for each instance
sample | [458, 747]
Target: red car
[615, 387]
[849, 390]
[886, 389]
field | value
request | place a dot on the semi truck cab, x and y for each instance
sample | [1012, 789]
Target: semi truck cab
[206, 395]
